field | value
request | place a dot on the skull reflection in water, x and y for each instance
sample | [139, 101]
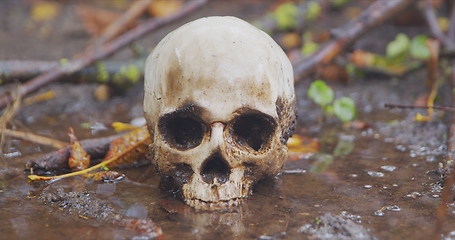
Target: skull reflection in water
[220, 105]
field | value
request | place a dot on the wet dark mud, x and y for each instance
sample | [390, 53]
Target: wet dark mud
[387, 187]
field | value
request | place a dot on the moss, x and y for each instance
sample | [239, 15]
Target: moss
[286, 16]
[102, 73]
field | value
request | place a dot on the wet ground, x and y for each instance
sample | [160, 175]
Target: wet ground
[385, 188]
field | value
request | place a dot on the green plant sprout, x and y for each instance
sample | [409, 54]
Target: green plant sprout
[343, 108]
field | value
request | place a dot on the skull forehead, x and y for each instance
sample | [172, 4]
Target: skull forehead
[221, 64]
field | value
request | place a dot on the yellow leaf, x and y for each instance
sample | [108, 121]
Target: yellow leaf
[161, 8]
[42, 11]
[301, 144]
[119, 126]
[78, 159]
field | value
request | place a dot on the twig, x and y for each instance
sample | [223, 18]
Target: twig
[40, 97]
[116, 74]
[136, 9]
[448, 173]
[87, 170]
[392, 105]
[83, 60]
[379, 12]
[34, 138]
[58, 159]
[430, 16]
[451, 31]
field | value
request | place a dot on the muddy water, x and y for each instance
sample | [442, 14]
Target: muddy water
[378, 190]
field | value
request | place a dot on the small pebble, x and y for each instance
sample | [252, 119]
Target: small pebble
[379, 213]
[393, 208]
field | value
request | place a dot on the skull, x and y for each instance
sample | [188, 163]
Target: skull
[220, 105]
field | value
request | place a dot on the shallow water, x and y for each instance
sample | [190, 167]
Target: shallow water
[378, 187]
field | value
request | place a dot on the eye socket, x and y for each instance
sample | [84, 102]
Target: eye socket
[253, 129]
[182, 132]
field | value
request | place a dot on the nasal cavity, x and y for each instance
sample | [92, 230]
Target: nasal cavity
[215, 167]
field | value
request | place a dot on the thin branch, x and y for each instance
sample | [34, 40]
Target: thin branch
[379, 12]
[114, 73]
[85, 59]
[448, 173]
[451, 31]
[58, 159]
[136, 9]
[430, 16]
[28, 136]
[392, 105]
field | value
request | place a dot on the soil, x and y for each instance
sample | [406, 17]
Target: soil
[387, 187]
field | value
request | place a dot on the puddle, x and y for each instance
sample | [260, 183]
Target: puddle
[380, 189]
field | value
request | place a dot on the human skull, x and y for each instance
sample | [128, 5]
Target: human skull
[220, 105]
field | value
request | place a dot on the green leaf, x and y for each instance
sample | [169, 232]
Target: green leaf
[320, 93]
[338, 3]
[418, 47]
[314, 10]
[286, 16]
[398, 47]
[344, 109]
[308, 46]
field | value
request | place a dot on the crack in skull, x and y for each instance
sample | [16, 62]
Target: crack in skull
[220, 105]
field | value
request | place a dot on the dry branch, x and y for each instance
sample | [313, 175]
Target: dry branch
[378, 13]
[115, 73]
[432, 21]
[33, 138]
[119, 26]
[448, 174]
[85, 59]
[58, 159]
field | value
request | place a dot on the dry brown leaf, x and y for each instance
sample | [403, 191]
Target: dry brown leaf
[300, 146]
[140, 138]
[161, 8]
[334, 72]
[78, 159]
[106, 176]
[96, 19]
[290, 40]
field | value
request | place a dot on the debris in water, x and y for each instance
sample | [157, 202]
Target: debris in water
[294, 171]
[379, 212]
[375, 174]
[388, 168]
[414, 195]
[393, 208]
[329, 226]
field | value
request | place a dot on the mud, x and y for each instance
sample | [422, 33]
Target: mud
[387, 187]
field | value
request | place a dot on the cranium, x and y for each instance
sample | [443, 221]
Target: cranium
[220, 105]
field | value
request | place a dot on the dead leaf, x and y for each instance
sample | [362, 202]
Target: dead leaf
[290, 40]
[44, 10]
[106, 176]
[161, 8]
[301, 146]
[334, 72]
[78, 159]
[124, 146]
[96, 19]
